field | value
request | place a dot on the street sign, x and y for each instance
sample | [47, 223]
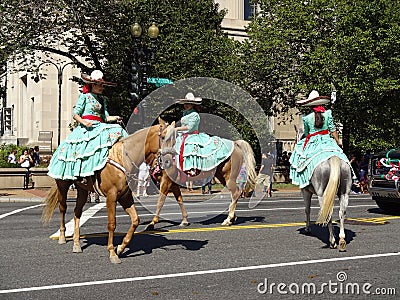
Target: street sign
[159, 81]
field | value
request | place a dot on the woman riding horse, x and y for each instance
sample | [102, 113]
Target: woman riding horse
[197, 150]
[86, 149]
[320, 167]
[196, 156]
[318, 145]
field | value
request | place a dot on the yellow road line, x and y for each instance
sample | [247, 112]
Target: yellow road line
[235, 227]
[185, 230]
[381, 220]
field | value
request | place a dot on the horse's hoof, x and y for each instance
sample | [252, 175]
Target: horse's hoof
[307, 231]
[77, 249]
[227, 222]
[149, 227]
[233, 221]
[184, 224]
[62, 241]
[119, 249]
[342, 246]
[333, 246]
[115, 259]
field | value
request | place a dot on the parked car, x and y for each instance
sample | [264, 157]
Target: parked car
[384, 177]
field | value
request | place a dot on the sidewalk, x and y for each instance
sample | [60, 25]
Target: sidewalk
[20, 195]
[38, 195]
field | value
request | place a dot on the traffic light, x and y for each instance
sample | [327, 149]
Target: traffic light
[143, 80]
[134, 90]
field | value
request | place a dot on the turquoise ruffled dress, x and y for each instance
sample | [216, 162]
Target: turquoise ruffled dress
[201, 151]
[85, 150]
[318, 149]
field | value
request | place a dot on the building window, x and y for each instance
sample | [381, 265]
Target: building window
[250, 9]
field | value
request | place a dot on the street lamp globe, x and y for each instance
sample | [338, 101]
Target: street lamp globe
[136, 30]
[153, 31]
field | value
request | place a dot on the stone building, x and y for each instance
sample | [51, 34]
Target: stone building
[34, 112]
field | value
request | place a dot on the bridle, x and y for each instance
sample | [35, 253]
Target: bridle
[163, 151]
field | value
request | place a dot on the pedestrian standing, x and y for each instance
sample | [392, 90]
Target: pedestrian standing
[143, 179]
[36, 156]
[207, 182]
[265, 174]
[26, 161]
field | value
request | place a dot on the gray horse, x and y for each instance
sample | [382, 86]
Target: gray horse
[330, 178]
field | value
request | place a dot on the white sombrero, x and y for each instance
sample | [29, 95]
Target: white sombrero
[96, 77]
[190, 98]
[314, 99]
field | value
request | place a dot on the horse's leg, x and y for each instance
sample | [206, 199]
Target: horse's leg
[332, 240]
[111, 203]
[307, 202]
[131, 211]
[178, 196]
[165, 185]
[344, 200]
[235, 194]
[62, 193]
[80, 202]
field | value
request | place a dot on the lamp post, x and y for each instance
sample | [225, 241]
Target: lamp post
[142, 58]
[60, 70]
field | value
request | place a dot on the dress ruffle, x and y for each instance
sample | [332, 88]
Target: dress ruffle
[303, 162]
[203, 152]
[84, 151]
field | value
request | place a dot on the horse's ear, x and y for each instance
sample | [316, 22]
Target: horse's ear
[170, 134]
[161, 121]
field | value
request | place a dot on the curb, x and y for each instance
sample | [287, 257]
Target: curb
[20, 199]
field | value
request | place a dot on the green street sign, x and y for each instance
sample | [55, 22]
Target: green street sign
[159, 81]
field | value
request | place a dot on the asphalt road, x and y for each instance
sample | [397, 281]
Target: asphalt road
[266, 255]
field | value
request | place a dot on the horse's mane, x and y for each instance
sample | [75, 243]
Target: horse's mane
[133, 150]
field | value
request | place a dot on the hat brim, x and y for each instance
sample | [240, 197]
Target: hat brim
[184, 101]
[321, 100]
[86, 79]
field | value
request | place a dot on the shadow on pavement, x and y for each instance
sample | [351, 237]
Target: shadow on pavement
[143, 244]
[322, 233]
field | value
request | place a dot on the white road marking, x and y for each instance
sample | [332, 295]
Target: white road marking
[18, 210]
[196, 273]
[86, 215]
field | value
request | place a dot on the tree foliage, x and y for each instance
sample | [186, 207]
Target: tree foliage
[353, 46]
[293, 47]
[96, 34]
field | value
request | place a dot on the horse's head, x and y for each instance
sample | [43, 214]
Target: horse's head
[167, 151]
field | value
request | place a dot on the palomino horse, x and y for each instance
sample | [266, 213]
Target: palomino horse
[112, 181]
[226, 172]
[330, 178]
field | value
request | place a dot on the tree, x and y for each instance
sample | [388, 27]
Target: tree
[295, 47]
[96, 34]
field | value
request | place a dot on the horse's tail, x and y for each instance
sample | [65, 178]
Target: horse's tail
[250, 162]
[51, 204]
[325, 213]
